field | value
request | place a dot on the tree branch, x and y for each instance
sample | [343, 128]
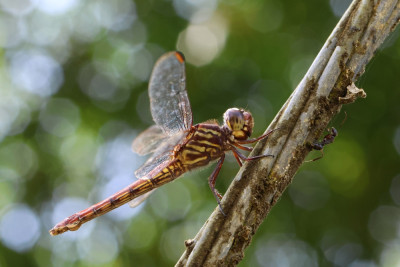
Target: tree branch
[317, 99]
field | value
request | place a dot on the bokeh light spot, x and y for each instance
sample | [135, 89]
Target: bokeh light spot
[101, 81]
[384, 224]
[345, 254]
[195, 11]
[78, 153]
[22, 117]
[19, 157]
[170, 248]
[55, 7]
[36, 72]
[172, 202]
[43, 30]
[115, 159]
[17, 7]
[100, 248]
[14, 115]
[142, 233]
[390, 255]
[282, 251]
[85, 26]
[201, 43]
[140, 64]
[101, 88]
[60, 117]
[19, 228]
[10, 30]
[114, 15]
[340, 246]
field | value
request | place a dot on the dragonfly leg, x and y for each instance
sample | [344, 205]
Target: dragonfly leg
[237, 154]
[213, 179]
[249, 141]
[243, 147]
[238, 159]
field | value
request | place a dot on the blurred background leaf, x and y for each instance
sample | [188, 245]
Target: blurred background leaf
[73, 93]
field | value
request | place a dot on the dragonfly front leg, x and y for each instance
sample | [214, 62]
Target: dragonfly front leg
[213, 179]
[253, 140]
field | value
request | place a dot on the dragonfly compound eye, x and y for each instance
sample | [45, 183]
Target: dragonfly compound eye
[240, 122]
[234, 119]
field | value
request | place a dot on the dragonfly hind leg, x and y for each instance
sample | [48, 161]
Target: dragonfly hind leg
[213, 179]
[239, 156]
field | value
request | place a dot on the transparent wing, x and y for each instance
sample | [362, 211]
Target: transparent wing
[152, 163]
[149, 140]
[161, 157]
[169, 103]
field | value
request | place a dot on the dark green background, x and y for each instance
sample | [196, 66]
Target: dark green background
[342, 210]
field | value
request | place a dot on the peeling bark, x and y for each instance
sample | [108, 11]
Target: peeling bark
[327, 85]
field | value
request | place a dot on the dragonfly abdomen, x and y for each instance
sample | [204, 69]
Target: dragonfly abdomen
[167, 173]
[130, 192]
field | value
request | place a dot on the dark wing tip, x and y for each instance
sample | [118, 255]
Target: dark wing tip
[180, 56]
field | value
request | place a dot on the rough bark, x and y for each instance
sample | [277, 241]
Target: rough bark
[328, 84]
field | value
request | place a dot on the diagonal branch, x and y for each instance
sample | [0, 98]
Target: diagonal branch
[326, 86]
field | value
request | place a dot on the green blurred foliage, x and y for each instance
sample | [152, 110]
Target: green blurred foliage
[74, 95]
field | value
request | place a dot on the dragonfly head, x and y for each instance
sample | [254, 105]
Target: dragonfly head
[240, 122]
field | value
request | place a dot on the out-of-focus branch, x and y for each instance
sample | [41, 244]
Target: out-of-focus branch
[327, 85]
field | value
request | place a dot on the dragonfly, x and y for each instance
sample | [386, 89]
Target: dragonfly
[175, 144]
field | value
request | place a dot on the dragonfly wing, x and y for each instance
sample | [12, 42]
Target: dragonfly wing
[139, 200]
[151, 164]
[169, 103]
[149, 140]
[161, 157]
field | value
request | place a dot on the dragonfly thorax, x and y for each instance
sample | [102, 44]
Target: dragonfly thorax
[240, 122]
